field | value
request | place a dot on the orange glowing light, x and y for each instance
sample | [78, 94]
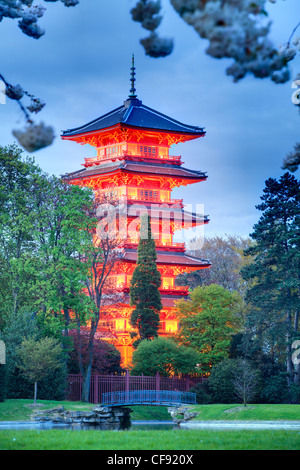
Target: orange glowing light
[134, 163]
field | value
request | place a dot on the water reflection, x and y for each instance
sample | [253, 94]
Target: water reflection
[152, 425]
[135, 426]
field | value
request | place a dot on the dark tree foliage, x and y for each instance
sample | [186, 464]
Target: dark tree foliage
[106, 357]
[275, 271]
[144, 288]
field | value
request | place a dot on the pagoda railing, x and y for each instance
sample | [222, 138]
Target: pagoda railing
[98, 159]
[137, 200]
[123, 287]
[168, 246]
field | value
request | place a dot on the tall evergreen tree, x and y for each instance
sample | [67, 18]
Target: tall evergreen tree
[144, 288]
[275, 271]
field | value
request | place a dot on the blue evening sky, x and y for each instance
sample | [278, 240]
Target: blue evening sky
[81, 68]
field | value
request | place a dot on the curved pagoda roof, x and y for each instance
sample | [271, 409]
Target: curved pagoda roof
[135, 114]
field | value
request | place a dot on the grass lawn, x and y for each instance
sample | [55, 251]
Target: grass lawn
[23, 410]
[173, 439]
[250, 412]
[149, 440]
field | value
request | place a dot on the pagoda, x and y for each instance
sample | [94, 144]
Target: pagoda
[133, 164]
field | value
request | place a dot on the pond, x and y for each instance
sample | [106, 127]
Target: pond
[135, 425]
[158, 425]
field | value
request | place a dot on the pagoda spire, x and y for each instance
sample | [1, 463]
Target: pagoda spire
[132, 94]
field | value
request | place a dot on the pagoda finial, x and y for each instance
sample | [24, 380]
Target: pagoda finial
[132, 93]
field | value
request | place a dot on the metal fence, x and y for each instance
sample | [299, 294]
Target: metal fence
[101, 384]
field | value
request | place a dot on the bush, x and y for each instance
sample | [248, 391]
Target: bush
[165, 357]
[275, 389]
[221, 382]
[107, 358]
[203, 393]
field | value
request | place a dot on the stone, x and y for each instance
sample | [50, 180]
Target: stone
[105, 417]
[181, 414]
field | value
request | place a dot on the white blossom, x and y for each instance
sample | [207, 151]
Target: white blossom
[34, 136]
[70, 3]
[14, 92]
[28, 13]
[296, 42]
[156, 46]
[292, 160]
[146, 12]
[238, 29]
[36, 105]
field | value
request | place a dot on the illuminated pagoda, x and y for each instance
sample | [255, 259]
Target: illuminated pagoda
[133, 164]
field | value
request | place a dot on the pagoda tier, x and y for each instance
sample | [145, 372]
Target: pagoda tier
[133, 168]
[133, 123]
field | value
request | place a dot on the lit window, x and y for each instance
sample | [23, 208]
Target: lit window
[144, 150]
[148, 195]
[111, 150]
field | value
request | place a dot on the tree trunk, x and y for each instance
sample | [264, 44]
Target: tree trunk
[86, 384]
[88, 371]
[297, 374]
[35, 393]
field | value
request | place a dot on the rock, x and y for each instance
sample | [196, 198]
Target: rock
[181, 414]
[103, 416]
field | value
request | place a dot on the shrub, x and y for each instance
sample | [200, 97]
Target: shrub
[221, 381]
[163, 356]
[275, 389]
[203, 393]
[107, 358]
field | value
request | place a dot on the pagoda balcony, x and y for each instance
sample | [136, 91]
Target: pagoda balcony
[162, 332]
[91, 161]
[175, 159]
[166, 246]
[174, 290]
[165, 290]
[171, 202]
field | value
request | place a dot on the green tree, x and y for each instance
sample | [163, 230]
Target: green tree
[106, 360]
[235, 378]
[207, 322]
[245, 381]
[275, 270]
[50, 257]
[60, 219]
[144, 287]
[165, 357]
[18, 326]
[17, 243]
[100, 257]
[37, 358]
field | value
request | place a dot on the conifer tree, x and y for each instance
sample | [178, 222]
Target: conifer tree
[144, 288]
[275, 269]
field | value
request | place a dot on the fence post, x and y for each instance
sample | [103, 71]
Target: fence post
[187, 383]
[157, 385]
[157, 381]
[127, 384]
[96, 392]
